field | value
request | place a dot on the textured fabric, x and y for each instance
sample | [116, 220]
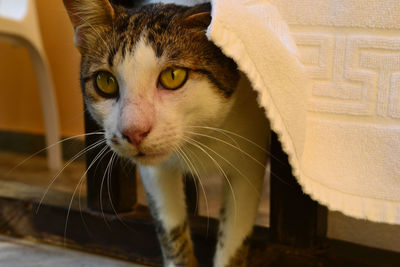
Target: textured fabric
[330, 84]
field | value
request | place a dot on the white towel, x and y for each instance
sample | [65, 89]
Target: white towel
[334, 100]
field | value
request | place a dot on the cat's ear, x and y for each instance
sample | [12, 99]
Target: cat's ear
[201, 20]
[85, 15]
[198, 17]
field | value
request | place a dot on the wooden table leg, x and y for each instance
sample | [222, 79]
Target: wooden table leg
[296, 219]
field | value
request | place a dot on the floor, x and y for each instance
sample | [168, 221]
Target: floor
[25, 253]
[33, 171]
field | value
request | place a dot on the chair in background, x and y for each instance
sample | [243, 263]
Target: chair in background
[19, 24]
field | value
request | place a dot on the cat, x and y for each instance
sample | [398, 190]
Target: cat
[172, 102]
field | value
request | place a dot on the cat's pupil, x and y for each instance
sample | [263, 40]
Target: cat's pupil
[172, 75]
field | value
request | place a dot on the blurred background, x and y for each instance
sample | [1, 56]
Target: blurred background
[20, 109]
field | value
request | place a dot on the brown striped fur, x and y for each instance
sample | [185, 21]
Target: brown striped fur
[177, 246]
[239, 259]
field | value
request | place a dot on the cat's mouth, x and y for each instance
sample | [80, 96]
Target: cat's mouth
[140, 156]
[149, 158]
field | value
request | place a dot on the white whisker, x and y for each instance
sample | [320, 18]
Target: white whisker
[202, 189]
[244, 152]
[50, 146]
[190, 141]
[229, 144]
[193, 171]
[73, 194]
[225, 133]
[241, 137]
[232, 133]
[80, 184]
[77, 155]
[107, 172]
[257, 191]
[110, 198]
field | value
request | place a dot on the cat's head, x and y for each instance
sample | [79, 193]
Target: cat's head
[149, 74]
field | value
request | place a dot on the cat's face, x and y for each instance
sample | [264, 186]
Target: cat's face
[149, 74]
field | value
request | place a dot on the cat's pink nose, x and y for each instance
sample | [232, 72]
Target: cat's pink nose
[135, 136]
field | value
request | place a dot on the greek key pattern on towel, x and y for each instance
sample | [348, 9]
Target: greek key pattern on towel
[353, 74]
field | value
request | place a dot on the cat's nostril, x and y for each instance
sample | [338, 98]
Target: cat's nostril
[126, 138]
[135, 137]
[144, 134]
[115, 141]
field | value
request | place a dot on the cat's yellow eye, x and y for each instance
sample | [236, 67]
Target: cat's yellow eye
[106, 84]
[173, 78]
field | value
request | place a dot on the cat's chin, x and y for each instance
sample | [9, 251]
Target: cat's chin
[151, 159]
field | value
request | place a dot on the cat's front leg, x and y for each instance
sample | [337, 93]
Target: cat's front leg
[238, 213]
[166, 199]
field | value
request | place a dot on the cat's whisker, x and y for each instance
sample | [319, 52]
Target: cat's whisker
[203, 190]
[195, 175]
[50, 146]
[230, 164]
[271, 173]
[220, 131]
[190, 141]
[80, 183]
[110, 198]
[76, 156]
[247, 154]
[229, 144]
[126, 164]
[106, 173]
[241, 137]
[109, 177]
[73, 194]
[193, 171]
[108, 182]
[69, 207]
